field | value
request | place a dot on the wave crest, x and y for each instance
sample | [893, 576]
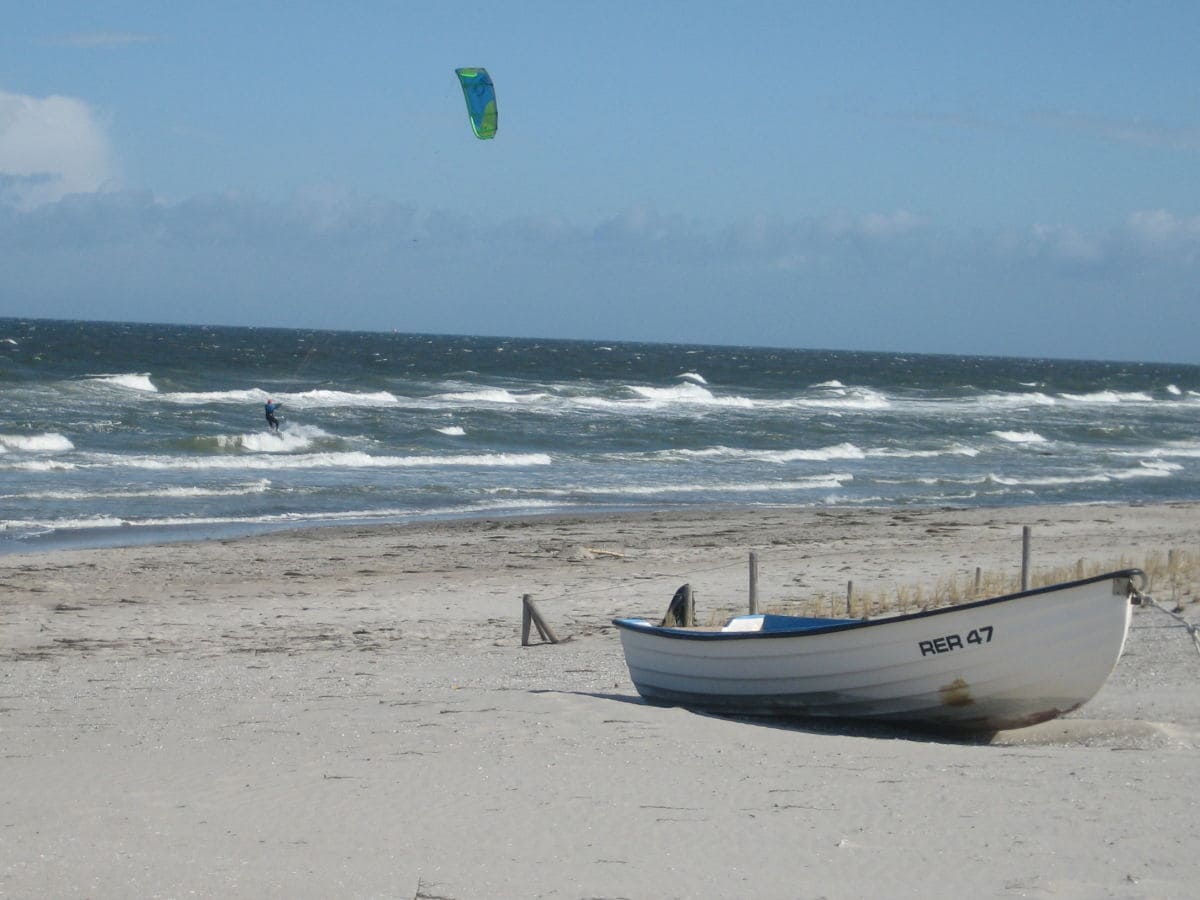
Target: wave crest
[50, 442]
[133, 381]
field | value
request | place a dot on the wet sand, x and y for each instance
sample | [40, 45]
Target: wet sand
[349, 712]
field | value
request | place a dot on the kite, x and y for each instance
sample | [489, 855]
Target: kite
[481, 101]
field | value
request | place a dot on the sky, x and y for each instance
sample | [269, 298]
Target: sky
[1018, 179]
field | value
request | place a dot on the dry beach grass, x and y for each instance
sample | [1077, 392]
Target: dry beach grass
[349, 712]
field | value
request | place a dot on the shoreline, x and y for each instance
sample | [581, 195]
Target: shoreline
[130, 534]
[135, 535]
[348, 711]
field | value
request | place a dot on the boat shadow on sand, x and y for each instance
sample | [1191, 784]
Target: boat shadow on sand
[1113, 734]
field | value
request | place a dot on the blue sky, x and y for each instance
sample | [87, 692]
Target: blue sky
[1016, 179]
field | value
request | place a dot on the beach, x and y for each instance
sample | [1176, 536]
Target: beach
[349, 712]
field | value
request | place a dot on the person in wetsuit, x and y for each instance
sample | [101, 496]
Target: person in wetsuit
[272, 422]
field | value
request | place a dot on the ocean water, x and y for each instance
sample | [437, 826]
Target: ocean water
[120, 433]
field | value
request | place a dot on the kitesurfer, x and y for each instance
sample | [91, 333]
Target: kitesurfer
[272, 422]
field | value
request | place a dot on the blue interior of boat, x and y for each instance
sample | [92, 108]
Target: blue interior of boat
[744, 626]
[800, 623]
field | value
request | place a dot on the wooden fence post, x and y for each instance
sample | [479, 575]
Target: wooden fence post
[531, 615]
[1173, 570]
[1025, 534]
[753, 582]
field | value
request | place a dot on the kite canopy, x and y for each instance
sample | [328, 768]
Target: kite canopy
[481, 101]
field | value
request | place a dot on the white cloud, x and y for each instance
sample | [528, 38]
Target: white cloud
[1155, 237]
[872, 226]
[887, 225]
[1162, 233]
[50, 147]
[1067, 243]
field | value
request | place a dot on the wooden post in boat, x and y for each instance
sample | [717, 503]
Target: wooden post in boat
[681, 612]
[753, 583]
[531, 615]
[849, 599]
[978, 579]
[1025, 534]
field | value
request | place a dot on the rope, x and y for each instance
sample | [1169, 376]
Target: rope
[1193, 630]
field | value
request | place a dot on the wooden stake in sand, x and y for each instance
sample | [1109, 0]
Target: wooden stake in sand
[1026, 531]
[530, 614]
[753, 583]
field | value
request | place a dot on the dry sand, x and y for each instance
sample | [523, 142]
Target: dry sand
[349, 713]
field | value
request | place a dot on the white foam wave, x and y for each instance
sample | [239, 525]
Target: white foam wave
[816, 482]
[989, 402]
[41, 465]
[343, 460]
[1149, 469]
[649, 399]
[837, 397]
[1179, 449]
[692, 376]
[451, 431]
[844, 398]
[1174, 390]
[1110, 397]
[820, 454]
[194, 398]
[28, 525]
[303, 429]
[313, 399]
[1020, 437]
[900, 453]
[1146, 470]
[174, 492]
[842, 500]
[290, 439]
[50, 442]
[266, 442]
[679, 393]
[133, 381]
[492, 395]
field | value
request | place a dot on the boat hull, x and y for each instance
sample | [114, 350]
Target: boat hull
[994, 664]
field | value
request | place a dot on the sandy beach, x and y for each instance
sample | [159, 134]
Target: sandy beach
[350, 713]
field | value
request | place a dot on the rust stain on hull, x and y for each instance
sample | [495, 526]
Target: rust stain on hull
[956, 693]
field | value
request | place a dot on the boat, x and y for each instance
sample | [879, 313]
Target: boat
[988, 665]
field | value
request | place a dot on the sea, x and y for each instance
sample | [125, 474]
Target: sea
[116, 434]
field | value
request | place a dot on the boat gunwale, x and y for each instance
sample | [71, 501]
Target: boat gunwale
[642, 626]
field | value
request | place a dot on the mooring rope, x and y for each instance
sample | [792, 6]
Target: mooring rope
[1193, 630]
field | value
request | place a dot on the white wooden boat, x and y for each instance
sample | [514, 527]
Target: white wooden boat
[1006, 662]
